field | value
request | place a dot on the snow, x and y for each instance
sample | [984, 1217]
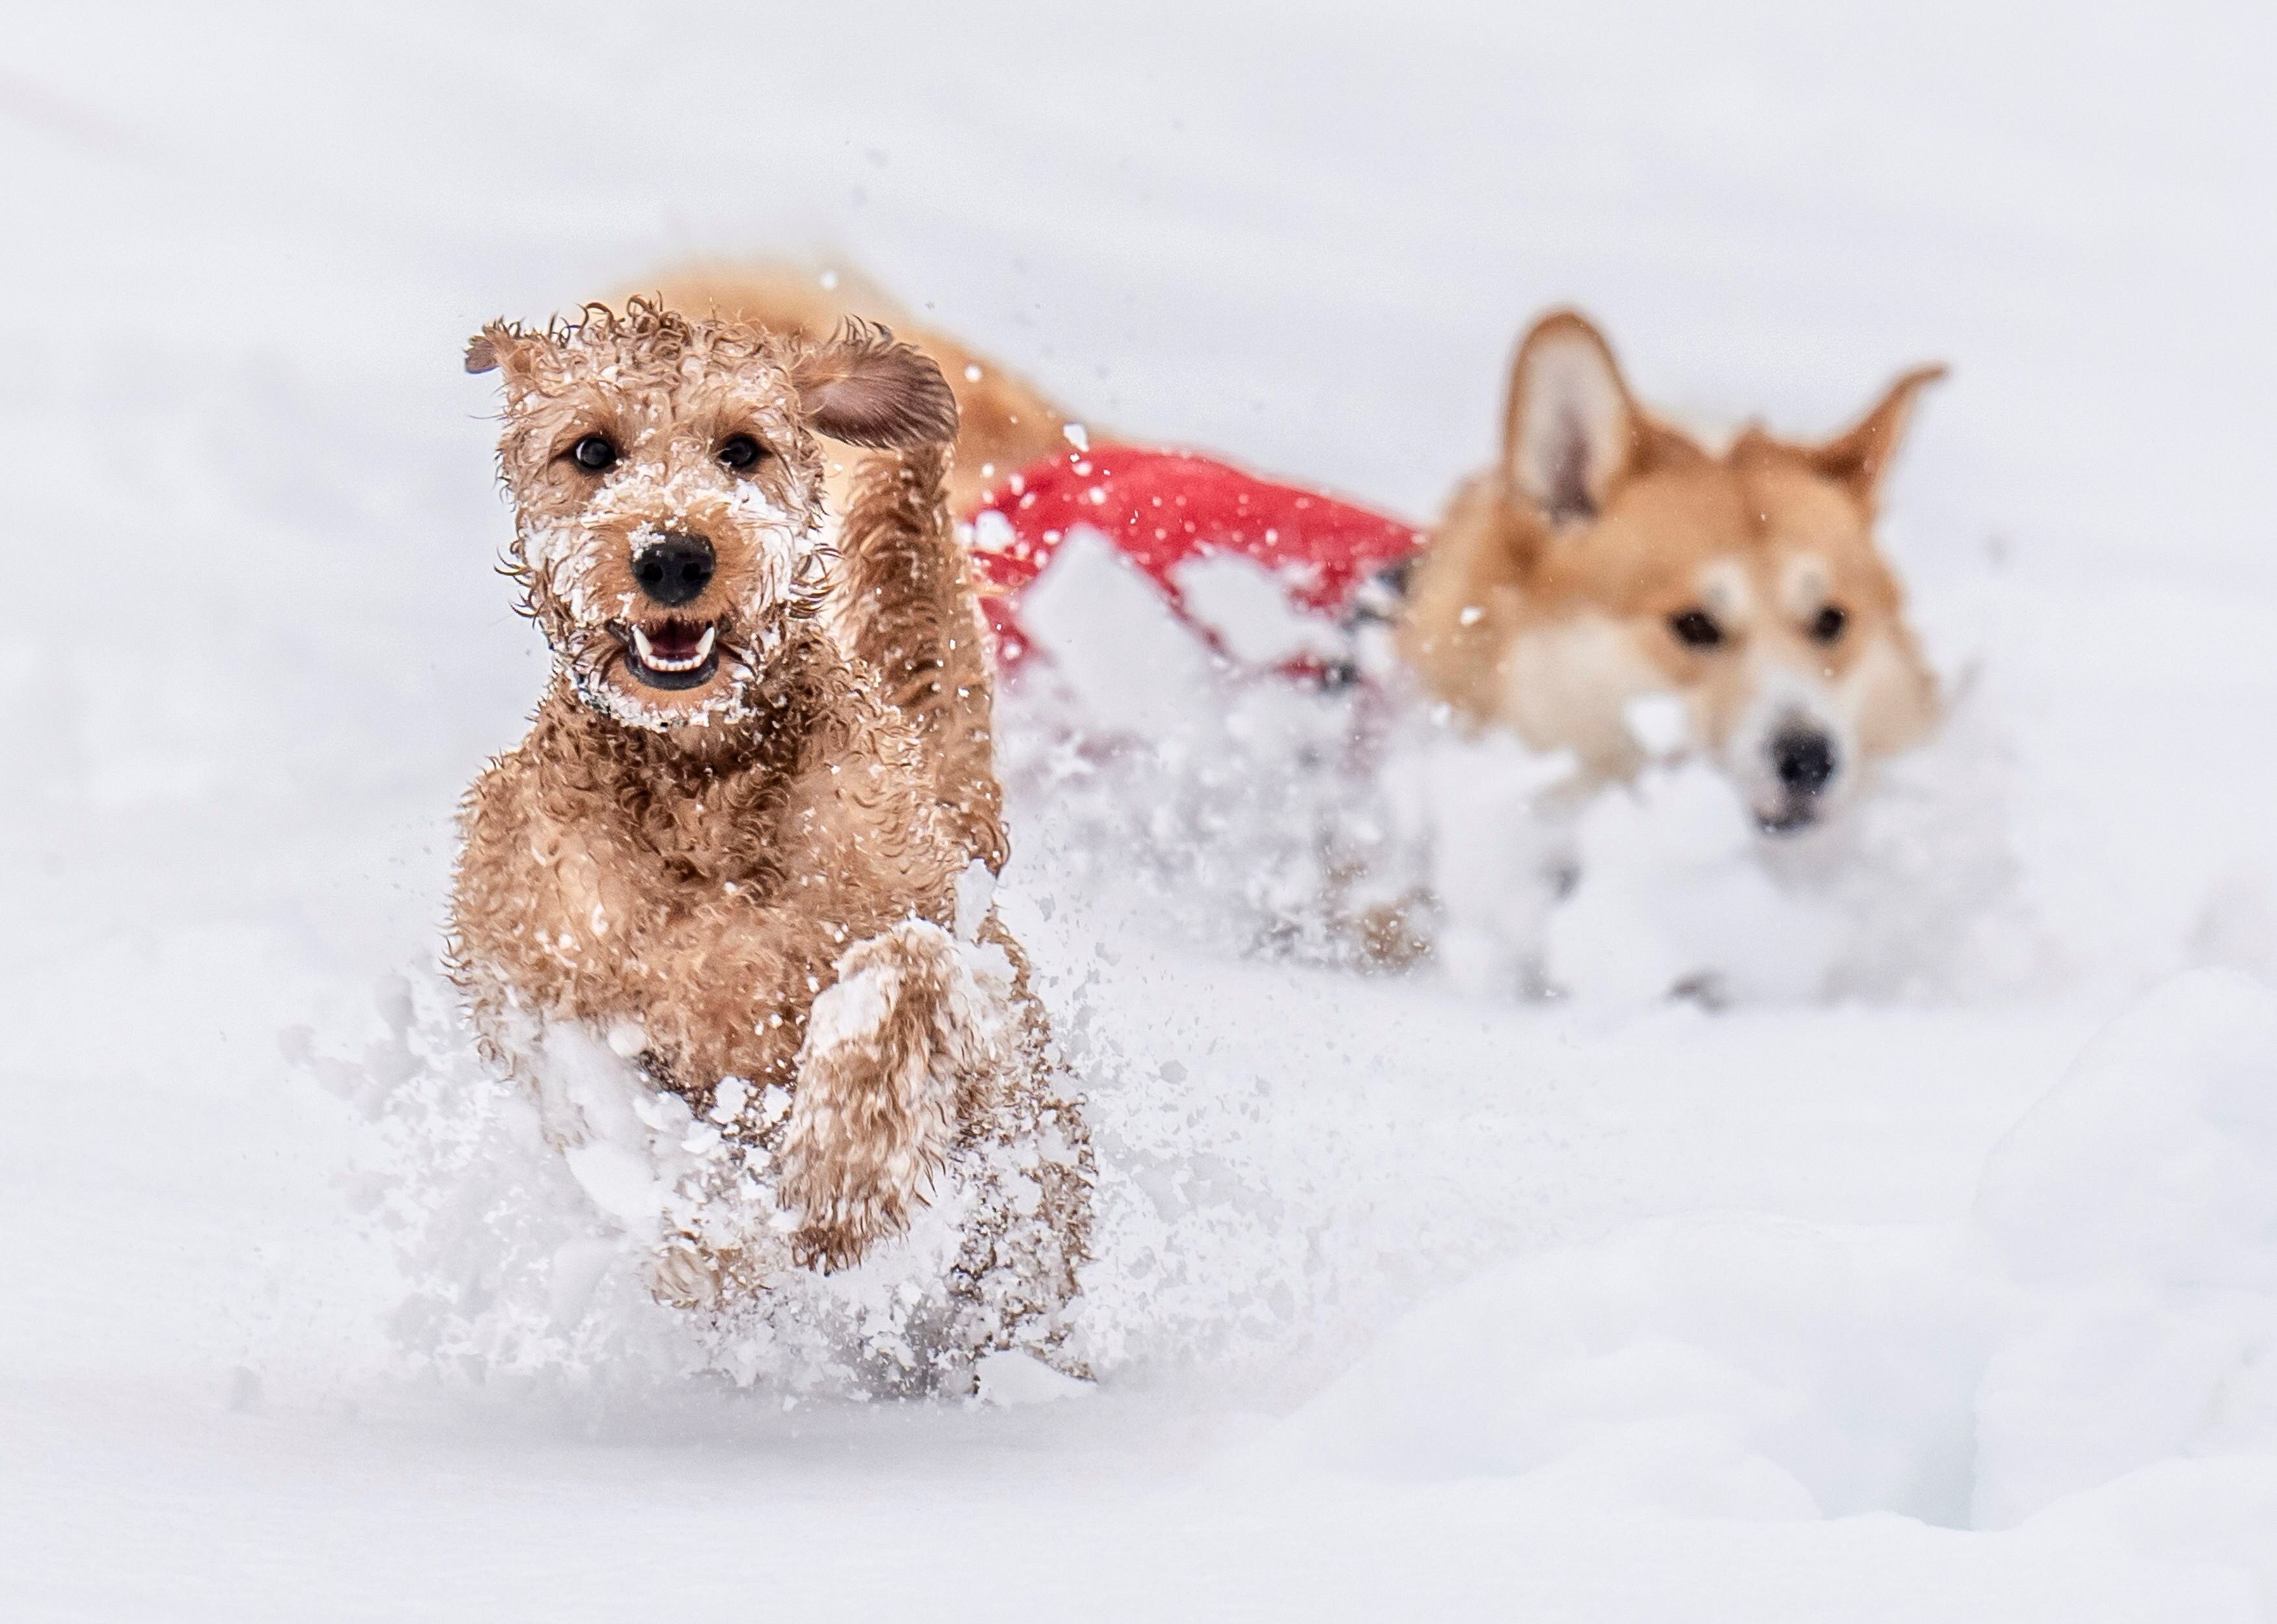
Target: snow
[1916, 1264]
[1251, 611]
[1670, 890]
[2133, 1213]
[1129, 667]
[1010, 1379]
[1736, 1367]
[2107, 1313]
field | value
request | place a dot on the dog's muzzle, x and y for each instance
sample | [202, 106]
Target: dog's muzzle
[675, 569]
[1805, 760]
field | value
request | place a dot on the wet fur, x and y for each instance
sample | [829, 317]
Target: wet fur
[707, 870]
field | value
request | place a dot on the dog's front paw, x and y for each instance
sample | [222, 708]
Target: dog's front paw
[874, 1112]
[838, 1241]
[684, 1277]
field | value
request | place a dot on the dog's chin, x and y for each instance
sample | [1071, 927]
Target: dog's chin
[1786, 819]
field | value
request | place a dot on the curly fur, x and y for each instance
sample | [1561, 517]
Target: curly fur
[1005, 425]
[907, 606]
[890, 1049]
[756, 875]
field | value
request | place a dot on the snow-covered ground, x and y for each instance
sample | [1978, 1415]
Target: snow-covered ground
[1951, 1294]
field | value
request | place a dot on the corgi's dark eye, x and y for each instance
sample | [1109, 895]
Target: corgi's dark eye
[1828, 623]
[740, 452]
[593, 454]
[1695, 628]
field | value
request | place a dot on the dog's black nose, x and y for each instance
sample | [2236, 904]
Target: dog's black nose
[675, 569]
[1804, 758]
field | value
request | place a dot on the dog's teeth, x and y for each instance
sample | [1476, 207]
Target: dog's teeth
[654, 661]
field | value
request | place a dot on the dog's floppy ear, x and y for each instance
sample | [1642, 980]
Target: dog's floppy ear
[1861, 457]
[866, 387]
[499, 347]
[1572, 430]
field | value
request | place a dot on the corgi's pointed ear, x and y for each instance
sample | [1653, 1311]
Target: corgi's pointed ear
[1572, 430]
[866, 387]
[1861, 456]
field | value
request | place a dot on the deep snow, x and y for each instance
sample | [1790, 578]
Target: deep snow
[1929, 1277]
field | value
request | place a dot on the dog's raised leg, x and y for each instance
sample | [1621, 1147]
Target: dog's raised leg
[888, 1052]
[907, 605]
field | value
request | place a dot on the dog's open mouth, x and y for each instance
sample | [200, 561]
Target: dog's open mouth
[671, 654]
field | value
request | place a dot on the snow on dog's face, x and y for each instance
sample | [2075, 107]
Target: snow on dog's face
[669, 517]
[1611, 560]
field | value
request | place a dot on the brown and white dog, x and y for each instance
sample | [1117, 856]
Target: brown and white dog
[1608, 558]
[750, 839]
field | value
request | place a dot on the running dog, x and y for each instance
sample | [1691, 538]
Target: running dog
[748, 842]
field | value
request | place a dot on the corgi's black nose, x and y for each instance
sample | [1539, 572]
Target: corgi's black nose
[1804, 759]
[676, 569]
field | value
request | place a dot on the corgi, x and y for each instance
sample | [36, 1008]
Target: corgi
[1608, 558]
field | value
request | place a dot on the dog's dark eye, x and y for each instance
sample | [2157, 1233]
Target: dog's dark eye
[1829, 624]
[740, 452]
[1695, 628]
[593, 453]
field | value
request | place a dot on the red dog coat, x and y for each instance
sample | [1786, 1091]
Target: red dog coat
[1164, 510]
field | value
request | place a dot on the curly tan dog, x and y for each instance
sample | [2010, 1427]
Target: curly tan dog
[751, 834]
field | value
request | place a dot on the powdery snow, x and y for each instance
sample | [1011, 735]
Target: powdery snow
[1916, 1262]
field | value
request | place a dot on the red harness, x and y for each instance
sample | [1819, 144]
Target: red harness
[1162, 510]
